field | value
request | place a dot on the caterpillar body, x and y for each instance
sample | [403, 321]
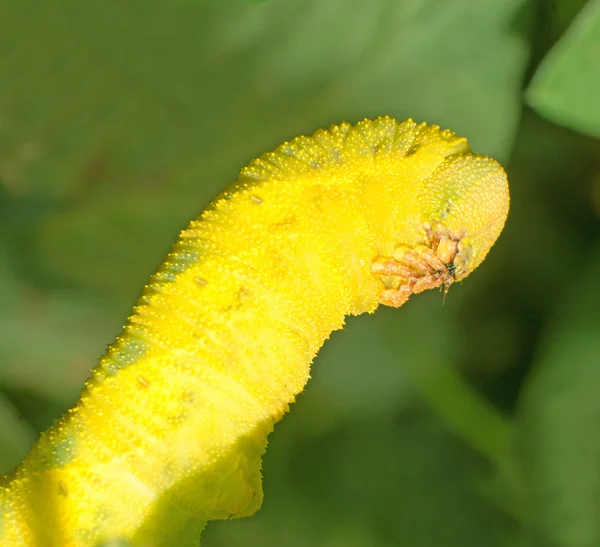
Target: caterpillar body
[170, 429]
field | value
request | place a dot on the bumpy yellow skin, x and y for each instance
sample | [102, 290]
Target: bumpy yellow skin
[171, 427]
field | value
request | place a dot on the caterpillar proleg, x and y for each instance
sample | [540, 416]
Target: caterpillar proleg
[170, 429]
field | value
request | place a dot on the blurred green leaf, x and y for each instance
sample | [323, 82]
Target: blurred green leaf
[560, 413]
[49, 339]
[131, 135]
[121, 120]
[434, 376]
[561, 14]
[400, 480]
[16, 435]
[566, 86]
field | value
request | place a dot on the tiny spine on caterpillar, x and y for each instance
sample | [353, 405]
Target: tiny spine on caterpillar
[170, 429]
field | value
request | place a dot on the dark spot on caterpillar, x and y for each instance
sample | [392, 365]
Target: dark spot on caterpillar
[143, 382]
[380, 146]
[188, 397]
[446, 210]
[243, 295]
[412, 150]
[284, 222]
[62, 489]
[176, 419]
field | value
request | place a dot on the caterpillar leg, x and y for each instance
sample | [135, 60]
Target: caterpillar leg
[413, 270]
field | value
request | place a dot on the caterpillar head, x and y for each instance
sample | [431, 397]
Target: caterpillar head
[465, 202]
[463, 205]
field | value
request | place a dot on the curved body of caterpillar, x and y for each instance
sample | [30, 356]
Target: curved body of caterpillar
[171, 427]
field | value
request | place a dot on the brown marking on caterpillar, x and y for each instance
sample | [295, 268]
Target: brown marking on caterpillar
[177, 418]
[62, 489]
[188, 397]
[412, 150]
[143, 381]
[256, 199]
[285, 222]
[200, 281]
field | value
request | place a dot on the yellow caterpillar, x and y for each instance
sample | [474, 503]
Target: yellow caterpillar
[170, 429]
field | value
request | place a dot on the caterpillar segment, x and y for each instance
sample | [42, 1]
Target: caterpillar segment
[170, 428]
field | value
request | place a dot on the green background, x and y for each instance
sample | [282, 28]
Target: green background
[473, 423]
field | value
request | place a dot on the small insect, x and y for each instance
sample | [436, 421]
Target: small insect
[170, 428]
